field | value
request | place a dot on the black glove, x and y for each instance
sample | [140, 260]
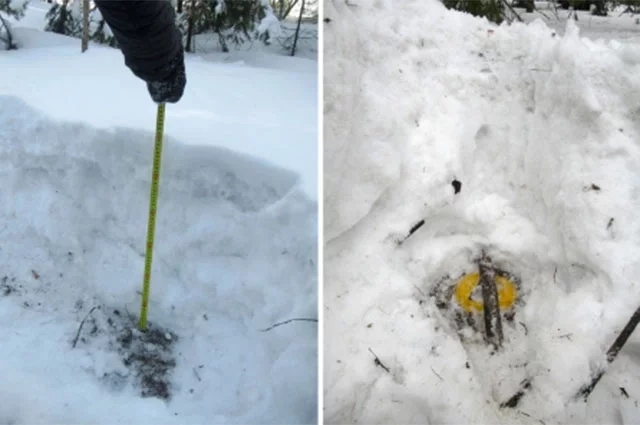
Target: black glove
[171, 89]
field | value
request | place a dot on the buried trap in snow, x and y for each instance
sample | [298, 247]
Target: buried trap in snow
[480, 304]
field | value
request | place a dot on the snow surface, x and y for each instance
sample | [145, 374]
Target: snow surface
[255, 102]
[617, 25]
[235, 249]
[208, 45]
[527, 120]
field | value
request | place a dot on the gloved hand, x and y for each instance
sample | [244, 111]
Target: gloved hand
[171, 89]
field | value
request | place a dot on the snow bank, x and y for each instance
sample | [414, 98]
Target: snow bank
[235, 252]
[542, 133]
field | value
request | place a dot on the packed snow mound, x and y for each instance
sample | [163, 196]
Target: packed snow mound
[31, 38]
[235, 252]
[542, 133]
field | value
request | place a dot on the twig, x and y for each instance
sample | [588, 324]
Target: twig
[436, 373]
[525, 385]
[420, 290]
[377, 361]
[288, 321]
[529, 416]
[195, 372]
[526, 331]
[75, 341]
[413, 229]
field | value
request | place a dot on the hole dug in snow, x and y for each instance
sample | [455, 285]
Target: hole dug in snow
[149, 354]
[146, 356]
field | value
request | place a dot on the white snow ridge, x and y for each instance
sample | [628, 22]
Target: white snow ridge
[235, 252]
[542, 132]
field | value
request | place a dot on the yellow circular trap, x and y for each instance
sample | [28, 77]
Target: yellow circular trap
[507, 292]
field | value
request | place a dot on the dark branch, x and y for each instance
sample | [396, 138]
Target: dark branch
[492, 318]
[413, 229]
[288, 321]
[437, 374]
[377, 361]
[612, 353]
[75, 341]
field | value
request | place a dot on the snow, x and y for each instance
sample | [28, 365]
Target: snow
[76, 10]
[527, 120]
[281, 38]
[617, 25]
[18, 4]
[235, 248]
[214, 110]
[270, 23]
[35, 16]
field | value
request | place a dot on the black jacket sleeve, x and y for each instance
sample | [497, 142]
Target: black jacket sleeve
[147, 34]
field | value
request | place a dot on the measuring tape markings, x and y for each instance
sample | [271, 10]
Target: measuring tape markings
[155, 177]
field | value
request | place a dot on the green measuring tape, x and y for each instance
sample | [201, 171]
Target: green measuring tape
[155, 178]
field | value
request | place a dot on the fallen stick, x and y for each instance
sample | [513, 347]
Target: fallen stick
[492, 318]
[612, 353]
[378, 362]
[288, 321]
[75, 340]
[411, 232]
[525, 386]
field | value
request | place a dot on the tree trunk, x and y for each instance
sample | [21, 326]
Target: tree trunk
[223, 43]
[180, 2]
[85, 25]
[189, 32]
[529, 6]
[295, 38]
